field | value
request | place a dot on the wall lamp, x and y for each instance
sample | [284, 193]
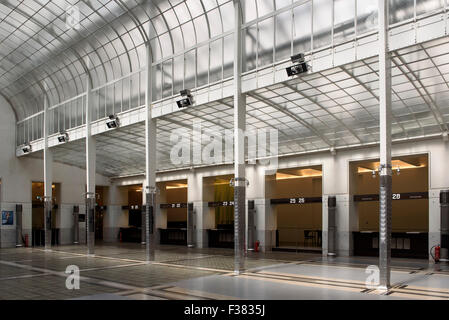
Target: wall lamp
[299, 65]
[26, 148]
[187, 99]
[113, 122]
[63, 137]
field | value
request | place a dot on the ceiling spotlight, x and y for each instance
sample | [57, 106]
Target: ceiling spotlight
[333, 151]
[63, 137]
[373, 173]
[26, 148]
[113, 122]
[187, 99]
[398, 170]
[299, 65]
[445, 136]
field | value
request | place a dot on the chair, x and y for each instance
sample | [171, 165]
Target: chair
[308, 236]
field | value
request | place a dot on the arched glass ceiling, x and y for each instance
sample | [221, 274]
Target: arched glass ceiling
[41, 48]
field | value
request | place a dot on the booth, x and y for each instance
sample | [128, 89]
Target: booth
[220, 211]
[37, 212]
[410, 207]
[296, 201]
[174, 207]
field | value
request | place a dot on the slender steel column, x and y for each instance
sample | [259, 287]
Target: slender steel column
[19, 210]
[90, 173]
[239, 146]
[48, 178]
[444, 205]
[385, 196]
[76, 226]
[331, 225]
[150, 165]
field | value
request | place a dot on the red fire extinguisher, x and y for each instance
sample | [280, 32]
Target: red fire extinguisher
[256, 246]
[437, 250]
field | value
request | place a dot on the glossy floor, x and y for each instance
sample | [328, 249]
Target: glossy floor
[120, 272]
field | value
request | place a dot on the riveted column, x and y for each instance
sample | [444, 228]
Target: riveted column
[239, 146]
[385, 196]
[90, 172]
[48, 177]
[150, 164]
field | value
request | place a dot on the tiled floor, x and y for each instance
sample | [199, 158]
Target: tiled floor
[120, 272]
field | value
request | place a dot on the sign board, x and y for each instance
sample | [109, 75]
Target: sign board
[221, 204]
[395, 196]
[7, 218]
[298, 200]
[173, 205]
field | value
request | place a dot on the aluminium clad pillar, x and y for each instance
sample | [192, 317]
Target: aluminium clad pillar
[19, 210]
[76, 226]
[332, 225]
[239, 146]
[90, 172]
[444, 205]
[150, 164]
[385, 172]
[48, 177]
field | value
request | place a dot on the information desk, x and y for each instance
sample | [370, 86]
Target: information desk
[176, 233]
[131, 234]
[222, 237]
[403, 244]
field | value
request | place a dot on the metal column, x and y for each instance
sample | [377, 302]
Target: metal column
[76, 224]
[48, 178]
[239, 146]
[331, 225]
[385, 173]
[143, 224]
[251, 225]
[150, 163]
[19, 240]
[444, 205]
[90, 173]
[190, 226]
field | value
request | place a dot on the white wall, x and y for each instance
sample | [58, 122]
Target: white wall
[18, 173]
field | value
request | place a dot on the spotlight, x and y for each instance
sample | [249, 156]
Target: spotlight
[113, 122]
[63, 137]
[445, 136]
[398, 170]
[333, 151]
[26, 148]
[373, 173]
[299, 65]
[187, 99]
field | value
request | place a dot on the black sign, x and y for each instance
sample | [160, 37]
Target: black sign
[395, 196]
[299, 200]
[173, 205]
[220, 204]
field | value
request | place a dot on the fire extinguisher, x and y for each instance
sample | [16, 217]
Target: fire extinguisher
[256, 246]
[437, 250]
